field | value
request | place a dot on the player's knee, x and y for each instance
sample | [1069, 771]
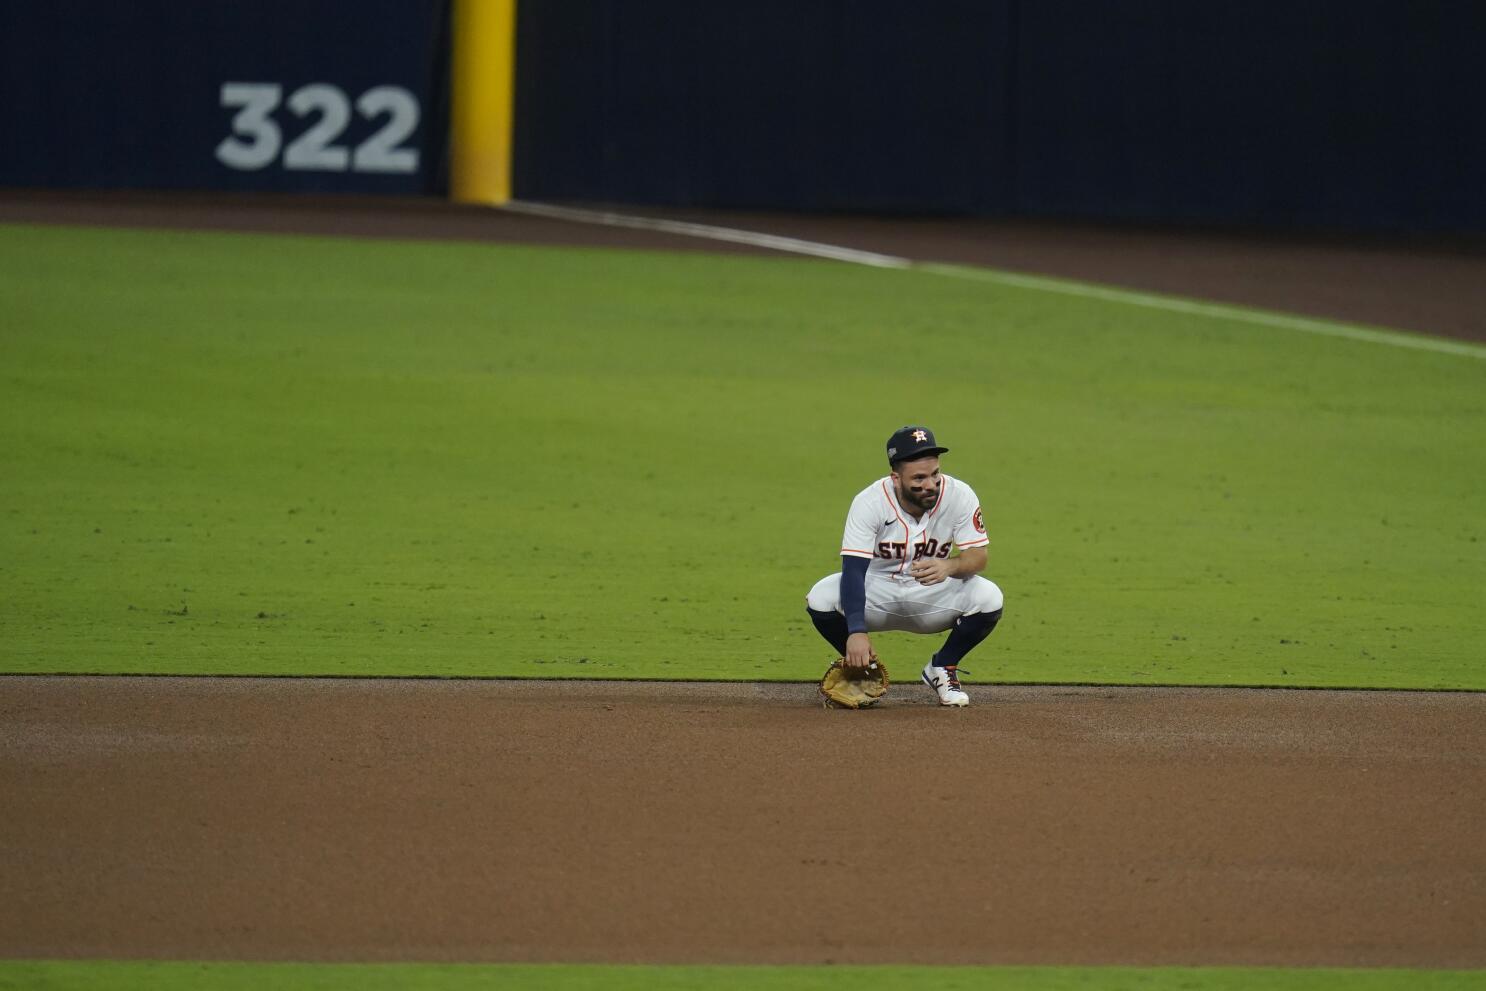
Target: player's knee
[825, 596]
[985, 597]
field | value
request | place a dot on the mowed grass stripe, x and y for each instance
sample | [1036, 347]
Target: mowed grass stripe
[1160, 301]
[1174, 304]
[246, 454]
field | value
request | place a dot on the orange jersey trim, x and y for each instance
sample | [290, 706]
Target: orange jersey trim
[907, 530]
[856, 553]
[978, 543]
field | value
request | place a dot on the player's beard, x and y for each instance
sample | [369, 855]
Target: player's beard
[925, 501]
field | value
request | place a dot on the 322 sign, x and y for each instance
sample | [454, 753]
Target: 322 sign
[256, 139]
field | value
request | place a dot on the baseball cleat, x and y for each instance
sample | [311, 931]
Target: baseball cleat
[945, 682]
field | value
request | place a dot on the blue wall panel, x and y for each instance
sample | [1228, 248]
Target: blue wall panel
[130, 94]
[1326, 114]
[825, 105]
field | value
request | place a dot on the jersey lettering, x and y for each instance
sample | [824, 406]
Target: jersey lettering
[932, 548]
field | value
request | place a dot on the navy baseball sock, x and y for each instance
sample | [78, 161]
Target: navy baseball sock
[969, 631]
[832, 626]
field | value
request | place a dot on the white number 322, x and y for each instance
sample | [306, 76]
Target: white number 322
[256, 139]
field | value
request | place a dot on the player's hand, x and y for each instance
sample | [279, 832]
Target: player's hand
[859, 652]
[930, 570]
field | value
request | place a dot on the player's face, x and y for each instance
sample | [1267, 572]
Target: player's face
[918, 483]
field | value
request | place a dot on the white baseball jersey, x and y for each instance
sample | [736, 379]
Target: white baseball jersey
[878, 528]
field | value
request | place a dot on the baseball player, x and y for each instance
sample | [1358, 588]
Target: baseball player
[896, 568]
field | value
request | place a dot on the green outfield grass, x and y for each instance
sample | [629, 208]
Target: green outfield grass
[95, 976]
[234, 454]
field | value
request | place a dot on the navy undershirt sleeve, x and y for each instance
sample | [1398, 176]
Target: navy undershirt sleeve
[854, 592]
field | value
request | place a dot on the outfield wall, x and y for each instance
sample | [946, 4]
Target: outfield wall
[1339, 113]
[1353, 113]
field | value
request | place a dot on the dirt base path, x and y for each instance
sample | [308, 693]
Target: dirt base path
[652, 822]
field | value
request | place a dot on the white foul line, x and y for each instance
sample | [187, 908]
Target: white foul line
[1171, 304]
[774, 241]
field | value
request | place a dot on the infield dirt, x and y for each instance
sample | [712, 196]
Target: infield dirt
[738, 823]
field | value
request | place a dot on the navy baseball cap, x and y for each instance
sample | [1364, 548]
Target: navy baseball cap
[912, 443]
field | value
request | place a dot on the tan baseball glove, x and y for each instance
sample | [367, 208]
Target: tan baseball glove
[853, 688]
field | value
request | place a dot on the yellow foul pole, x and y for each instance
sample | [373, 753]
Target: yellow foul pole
[482, 101]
